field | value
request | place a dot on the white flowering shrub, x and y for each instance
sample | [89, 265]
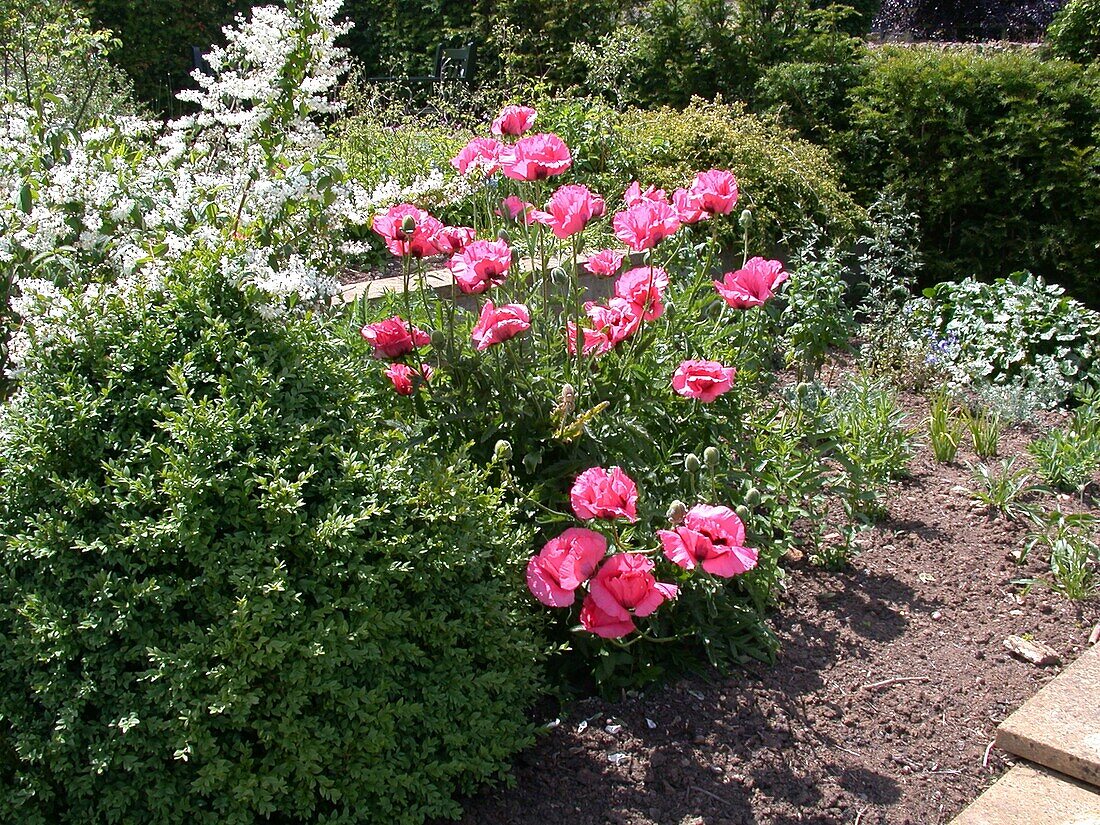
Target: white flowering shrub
[116, 203]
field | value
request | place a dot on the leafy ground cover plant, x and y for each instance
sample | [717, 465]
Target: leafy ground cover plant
[1016, 332]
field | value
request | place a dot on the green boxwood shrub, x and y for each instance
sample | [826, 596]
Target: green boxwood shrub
[996, 152]
[226, 598]
[1075, 32]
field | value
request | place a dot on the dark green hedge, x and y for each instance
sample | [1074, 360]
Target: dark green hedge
[998, 153]
[156, 36]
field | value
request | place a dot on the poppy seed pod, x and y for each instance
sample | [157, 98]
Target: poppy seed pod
[408, 225]
[691, 463]
[711, 457]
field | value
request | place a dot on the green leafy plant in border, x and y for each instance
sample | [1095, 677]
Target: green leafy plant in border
[226, 594]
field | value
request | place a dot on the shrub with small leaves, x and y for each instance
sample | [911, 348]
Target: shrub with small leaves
[224, 598]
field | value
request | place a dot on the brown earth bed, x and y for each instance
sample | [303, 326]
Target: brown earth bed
[881, 708]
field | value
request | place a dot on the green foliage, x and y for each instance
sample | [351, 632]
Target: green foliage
[785, 181]
[1067, 459]
[1075, 31]
[1074, 554]
[874, 446]
[945, 427]
[1017, 331]
[816, 318]
[49, 49]
[1006, 489]
[224, 597]
[155, 37]
[997, 153]
[985, 431]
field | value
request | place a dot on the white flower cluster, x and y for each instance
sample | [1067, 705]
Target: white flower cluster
[123, 202]
[430, 191]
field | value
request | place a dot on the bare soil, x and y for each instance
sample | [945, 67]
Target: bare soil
[881, 708]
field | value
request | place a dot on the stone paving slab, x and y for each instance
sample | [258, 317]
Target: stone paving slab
[1059, 727]
[1033, 795]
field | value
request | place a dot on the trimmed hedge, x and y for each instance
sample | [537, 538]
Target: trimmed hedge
[224, 598]
[998, 153]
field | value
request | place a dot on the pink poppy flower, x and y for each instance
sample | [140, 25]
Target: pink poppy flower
[596, 342]
[602, 623]
[514, 121]
[645, 224]
[405, 379]
[452, 239]
[645, 288]
[712, 538]
[624, 587]
[703, 380]
[716, 190]
[536, 157]
[479, 153]
[752, 285]
[600, 493]
[605, 263]
[689, 206]
[634, 194]
[570, 208]
[564, 564]
[498, 324]
[481, 265]
[419, 241]
[393, 337]
[513, 207]
[618, 318]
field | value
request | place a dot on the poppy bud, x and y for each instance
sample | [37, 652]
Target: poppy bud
[743, 513]
[746, 218]
[711, 457]
[676, 512]
[752, 497]
[691, 463]
[502, 235]
[439, 338]
[408, 225]
[558, 275]
[502, 451]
